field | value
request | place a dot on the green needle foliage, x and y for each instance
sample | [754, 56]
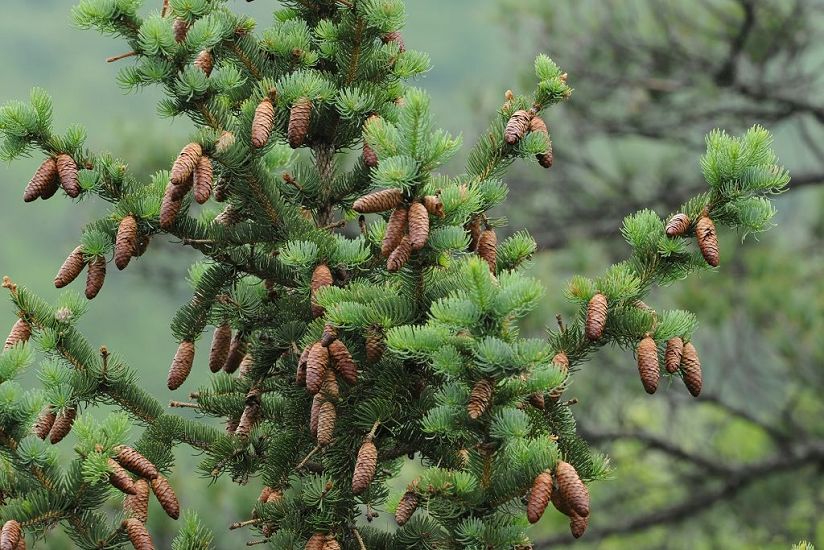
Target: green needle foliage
[455, 386]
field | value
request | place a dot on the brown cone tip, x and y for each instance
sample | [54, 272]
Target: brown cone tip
[678, 225]
[263, 123]
[370, 158]
[395, 230]
[169, 208]
[672, 356]
[577, 525]
[205, 61]
[572, 490]
[185, 163]
[342, 362]
[62, 425]
[539, 496]
[44, 183]
[398, 258]
[380, 201]
[299, 117]
[181, 29]
[314, 413]
[321, 277]
[166, 496]
[418, 225]
[434, 206]
[72, 267]
[375, 346]
[364, 467]
[181, 365]
[138, 535]
[479, 398]
[330, 334]
[125, 243]
[67, 171]
[648, 369]
[202, 177]
[596, 317]
[120, 479]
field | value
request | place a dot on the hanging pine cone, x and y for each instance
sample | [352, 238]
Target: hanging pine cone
[181, 365]
[205, 62]
[691, 369]
[572, 490]
[44, 422]
[375, 345]
[648, 369]
[185, 163]
[380, 201]
[707, 238]
[395, 230]
[577, 525]
[678, 225]
[67, 170]
[560, 504]
[20, 332]
[517, 126]
[71, 268]
[166, 496]
[314, 413]
[396, 38]
[95, 276]
[316, 365]
[169, 208]
[263, 123]
[237, 351]
[202, 177]
[434, 206]
[316, 542]
[487, 248]
[299, 122]
[537, 400]
[136, 505]
[365, 467]
[62, 425]
[10, 535]
[138, 535]
[418, 225]
[125, 244]
[326, 423]
[406, 507]
[135, 462]
[230, 215]
[539, 496]
[473, 227]
[250, 417]
[246, 365]
[537, 124]
[672, 357]
[330, 334]
[596, 317]
[398, 258]
[321, 277]
[370, 158]
[44, 183]
[231, 425]
[221, 340]
[479, 398]
[120, 479]
[181, 29]
[300, 372]
[329, 389]
[342, 362]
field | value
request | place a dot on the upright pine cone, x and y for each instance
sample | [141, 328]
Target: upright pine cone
[136, 463]
[44, 183]
[517, 126]
[166, 496]
[707, 238]
[395, 230]
[95, 276]
[321, 277]
[327, 414]
[71, 268]
[316, 365]
[125, 244]
[299, 122]
[221, 340]
[379, 201]
[181, 365]
[169, 208]
[120, 479]
[205, 61]
[418, 225]
[678, 225]
[20, 332]
[596, 317]
[375, 345]
[433, 205]
[138, 535]
[62, 425]
[263, 123]
[398, 258]
[571, 488]
[203, 176]
[67, 170]
[10, 535]
[316, 542]
[691, 369]
[406, 507]
[488, 248]
[181, 29]
[237, 351]
[137, 505]
[185, 163]
[370, 158]
[648, 369]
[537, 124]
[364, 467]
[479, 398]
[44, 422]
[342, 362]
[672, 357]
[539, 496]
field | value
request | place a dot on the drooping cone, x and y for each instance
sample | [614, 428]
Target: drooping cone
[577, 525]
[137, 505]
[202, 177]
[95, 276]
[316, 542]
[138, 535]
[300, 373]
[246, 365]
[326, 422]
[537, 124]
[166, 496]
[330, 334]
[479, 398]
[185, 163]
[250, 417]
[263, 123]
[537, 400]
[221, 340]
[181, 365]
[648, 369]
[364, 467]
[120, 479]
[488, 248]
[398, 258]
[406, 507]
[71, 268]
[380, 201]
[316, 365]
[44, 183]
[169, 208]
[230, 215]
[473, 227]
[329, 389]
[396, 38]
[418, 225]
[10, 535]
[707, 238]
[562, 361]
[539, 496]
[237, 351]
[125, 244]
[62, 425]
[672, 357]
[20, 332]
[571, 488]
[433, 205]
[321, 277]
[44, 422]
[395, 230]
[299, 122]
[342, 362]
[314, 413]
[205, 61]
[370, 158]
[181, 29]
[136, 463]
[596, 317]
[691, 369]
[67, 170]
[375, 345]
[517, 126]
[678, 225]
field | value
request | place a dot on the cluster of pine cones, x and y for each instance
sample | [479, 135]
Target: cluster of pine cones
[522, 122]
[567, 493]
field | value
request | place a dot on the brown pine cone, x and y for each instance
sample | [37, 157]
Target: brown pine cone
[329, 389]
[62, 425]
[380, 201]
[250, 417]
[20, 332]
[691, 369]
[406, 507]
[138, 535]
[327, 414]
[237, 351]
[395, 37]
[299, 122]
[137, 505]
[473, 227]
[314, 414]
[300, 374]
[539, 496]
[365, 467]
[169, 208]
[678, 225]
[185, 163]
[10, 535]
[560, 504]
[71, 268]
[231, 425]
[44, 422]
[316, 365]
[395, 230]
[577, 525]
[135, 462]
[331, 543]
[44, 183]
[572, 490]
[120, 479]
[375, 345]
[95, 276]
[166, 496]
[221, 340]
[321, 277]
[398, 258]
[596, 317]
[537, 400]
[370, 158]
[202, 178]
[434, 206]
[479, 399]
[342, 362]
[230, 215]
[561, 360]
[181, 365]
[205, 62]
[648, 369]
[264, 493]
[487, 248]
[67, 170]
[263, 123]
[672, 357]
[181, 29]
[517, 126]
[125, 244]
[330, 334]
[316, 542]
[707, 238]
[418, 225]
[537, 124]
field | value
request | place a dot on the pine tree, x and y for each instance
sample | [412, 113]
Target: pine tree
[404, 337]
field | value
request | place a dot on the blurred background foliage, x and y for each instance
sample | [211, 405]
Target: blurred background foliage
[742, 466]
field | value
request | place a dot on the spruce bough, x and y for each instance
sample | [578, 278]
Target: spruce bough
[336, 354]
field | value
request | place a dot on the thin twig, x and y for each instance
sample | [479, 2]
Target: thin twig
[358, 538]
[114, 58]
[306, 459]
[183, 405]
[240, 524]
